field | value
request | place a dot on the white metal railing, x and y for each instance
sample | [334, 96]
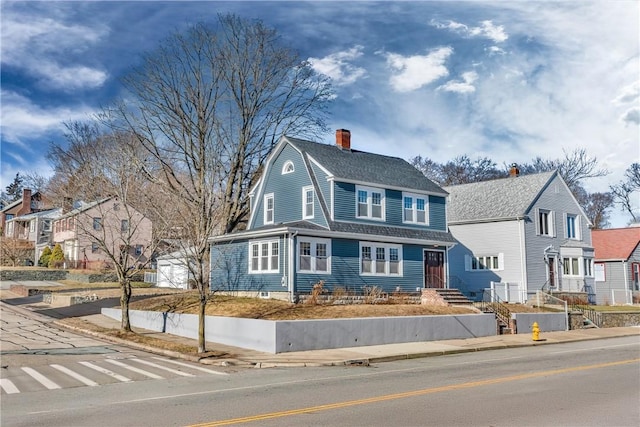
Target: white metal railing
[543, 298]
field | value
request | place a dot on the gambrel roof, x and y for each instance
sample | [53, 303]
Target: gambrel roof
[498, 199]
[615, 244]
[360, 166]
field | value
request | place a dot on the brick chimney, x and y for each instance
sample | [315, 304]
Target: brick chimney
[25, 207]
[514, 171]
[343, 139]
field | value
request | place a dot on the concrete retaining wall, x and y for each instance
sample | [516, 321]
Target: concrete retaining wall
[284, 336]
[547, 322]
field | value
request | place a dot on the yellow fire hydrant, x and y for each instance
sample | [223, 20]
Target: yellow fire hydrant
[535, 331]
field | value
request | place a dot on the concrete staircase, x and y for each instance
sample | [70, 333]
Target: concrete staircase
[437, 296]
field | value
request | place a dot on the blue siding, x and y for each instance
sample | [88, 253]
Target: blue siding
[324, 188]
[345, 271]
[230, 269]
[345, 208]
[287, 191]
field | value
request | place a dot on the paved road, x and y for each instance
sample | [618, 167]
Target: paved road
[590, 383]
[37, 357]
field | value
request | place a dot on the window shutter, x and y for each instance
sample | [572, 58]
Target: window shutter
[536, 220]
[565, 221]
[552, 219]
[501, 261]
[578, 227]
[467, 263]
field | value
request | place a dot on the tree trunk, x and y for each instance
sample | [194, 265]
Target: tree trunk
[201, 318]
[125, 297]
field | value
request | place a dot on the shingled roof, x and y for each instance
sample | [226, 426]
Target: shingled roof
[498, 199]
[615, 243]
[360, 166]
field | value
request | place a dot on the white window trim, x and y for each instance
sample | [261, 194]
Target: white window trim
[572, 273]
[260, 243]
[285, 167]
[370, 190]
[577, 226]
[304, 202]
[414, 203]
[386, 247]
[266, 211]
[551, 222]
[313, 242]
[468, 262]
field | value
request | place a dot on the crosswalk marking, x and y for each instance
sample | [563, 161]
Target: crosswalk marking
[199, 368]
[106, 371]
[134, 369]
[8, 386]
[146, 362]
[75, 375]
[40, 378]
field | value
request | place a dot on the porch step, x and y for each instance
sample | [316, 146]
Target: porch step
[438, 296]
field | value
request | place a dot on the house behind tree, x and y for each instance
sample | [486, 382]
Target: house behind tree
[330, 214]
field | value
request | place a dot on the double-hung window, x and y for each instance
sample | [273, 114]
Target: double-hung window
[124, 225]
[486, 262]
[370, 203]
[307, 202]
[415, 208]
[268, 208]
[377, 259]
[544, 223]
[97, 224]
[264, 256]
[314, 255]
[588, 267]
[573, 226]
[570, 266]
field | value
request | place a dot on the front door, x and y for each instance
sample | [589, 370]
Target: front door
[552, 271]
[434, 269]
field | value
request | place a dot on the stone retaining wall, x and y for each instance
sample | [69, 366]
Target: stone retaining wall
[619, 318]
[28, 275]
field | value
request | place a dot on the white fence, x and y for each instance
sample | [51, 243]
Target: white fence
[621, 296]
[507, 292]
[150, 277]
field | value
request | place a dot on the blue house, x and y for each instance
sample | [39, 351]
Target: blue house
[348, 218]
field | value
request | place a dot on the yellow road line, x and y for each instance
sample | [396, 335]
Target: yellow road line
[404, 395]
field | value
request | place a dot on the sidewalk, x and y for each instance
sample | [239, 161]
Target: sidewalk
[331, 357]
[377, 353]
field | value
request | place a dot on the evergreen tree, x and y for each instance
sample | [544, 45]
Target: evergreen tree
[14, 190]
[44, 257]
[57, 257]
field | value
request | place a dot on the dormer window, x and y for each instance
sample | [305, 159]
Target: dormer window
[288, 167]
[369, 203]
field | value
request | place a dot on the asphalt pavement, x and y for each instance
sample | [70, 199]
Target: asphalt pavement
[90, 312]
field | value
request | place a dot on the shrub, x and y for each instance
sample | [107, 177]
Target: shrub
[57, 257]
[44, 257]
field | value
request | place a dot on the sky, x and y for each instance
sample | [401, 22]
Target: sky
[508, 80]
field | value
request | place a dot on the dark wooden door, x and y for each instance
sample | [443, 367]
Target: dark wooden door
[552, 272]
[433, 269]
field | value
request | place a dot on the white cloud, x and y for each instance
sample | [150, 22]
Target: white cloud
[337, 66]
[632, 116]
[461, 86]
[21, 119]
[495, 50]
[414, 72]
[486, 30]
[630, 93]
[36, 44]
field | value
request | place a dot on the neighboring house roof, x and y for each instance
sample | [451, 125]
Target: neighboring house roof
[48, 214]
[12, 205]
[615, 244]
[359, 166]
[84, 207]
[498, 199]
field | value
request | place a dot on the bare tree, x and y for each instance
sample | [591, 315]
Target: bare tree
[596, 207]
[100, 169]
[460, 170]
[574, 167]
[208, 106]
[625, 193]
